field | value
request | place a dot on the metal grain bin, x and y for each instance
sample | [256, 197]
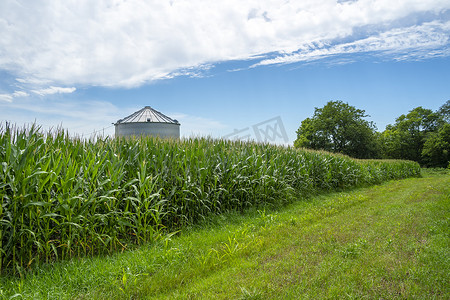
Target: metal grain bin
[147, 122]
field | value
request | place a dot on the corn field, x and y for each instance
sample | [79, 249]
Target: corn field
[64, 197]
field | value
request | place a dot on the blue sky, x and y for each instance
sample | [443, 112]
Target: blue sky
[217, 67]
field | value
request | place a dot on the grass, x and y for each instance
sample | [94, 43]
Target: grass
[390, 241]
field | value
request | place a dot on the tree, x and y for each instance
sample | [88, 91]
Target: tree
[339, 127]
[406, 138]
[444, 112]
[436, 150]
[394, 143]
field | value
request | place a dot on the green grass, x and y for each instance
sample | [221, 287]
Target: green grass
[63, 197]
[390, 241]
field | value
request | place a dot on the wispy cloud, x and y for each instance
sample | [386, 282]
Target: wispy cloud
[129, 43]
[414, 42]
[6, 97]
[41, 92]
[10, 97]
[20, 94]
[54, 90]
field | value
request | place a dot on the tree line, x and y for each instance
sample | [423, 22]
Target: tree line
[421, 135]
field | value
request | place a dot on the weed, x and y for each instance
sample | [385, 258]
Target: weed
[254, 294]
[353, 250]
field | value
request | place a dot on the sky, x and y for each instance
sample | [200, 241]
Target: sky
[233, 68]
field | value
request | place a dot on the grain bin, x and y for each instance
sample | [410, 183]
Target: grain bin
[147, 122]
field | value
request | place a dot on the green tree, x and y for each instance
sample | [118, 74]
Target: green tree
[406, 138]
[394, 143]
[444, 112]
[341, 128]
[436, 150]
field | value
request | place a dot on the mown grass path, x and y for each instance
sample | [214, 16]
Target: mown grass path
[384, 242]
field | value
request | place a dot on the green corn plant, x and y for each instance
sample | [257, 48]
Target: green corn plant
[64, 197]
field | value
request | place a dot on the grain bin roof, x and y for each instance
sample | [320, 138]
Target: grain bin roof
[145, 115]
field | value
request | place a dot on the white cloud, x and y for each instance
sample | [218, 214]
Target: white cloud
[41, 92]
[33, 81]
[54, 90]
[416, 41]
[20, 94]
[129, 43]
[10, 97]
[6, 97]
